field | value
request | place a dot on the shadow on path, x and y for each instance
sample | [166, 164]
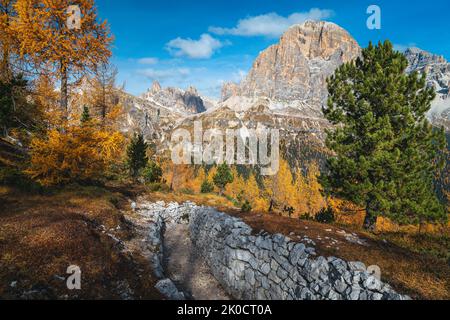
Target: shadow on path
[187, 269]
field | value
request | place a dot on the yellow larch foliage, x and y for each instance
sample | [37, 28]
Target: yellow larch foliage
[302, 193]
[167, 172]
[280, 187]
[251, 189]
[316, 201]
[46, 99]
[254, 196]
[51, 46]
[346, 212]
[198, 180]
[80, 153]
[179, 176]
[211, 173]
[8, 40]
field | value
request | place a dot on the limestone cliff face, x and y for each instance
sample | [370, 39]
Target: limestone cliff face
[230, 89]
[188, 101]
[296, 68]
[437, 71]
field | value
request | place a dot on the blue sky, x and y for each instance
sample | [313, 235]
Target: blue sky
[205, 43]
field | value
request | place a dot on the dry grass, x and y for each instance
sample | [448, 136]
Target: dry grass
[209, 199]
[41, 235]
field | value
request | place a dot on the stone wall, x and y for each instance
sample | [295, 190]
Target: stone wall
[266, 266]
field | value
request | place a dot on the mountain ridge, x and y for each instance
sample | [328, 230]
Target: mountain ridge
[289, 80]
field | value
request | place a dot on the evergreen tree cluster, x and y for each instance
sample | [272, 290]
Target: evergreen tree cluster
[136, 155]
[223, 177]
[386, 151]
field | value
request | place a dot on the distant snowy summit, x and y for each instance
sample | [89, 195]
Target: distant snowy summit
[186, 101]
[437, 71]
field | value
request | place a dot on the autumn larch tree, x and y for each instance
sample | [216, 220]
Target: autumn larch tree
[280, 188]
[104, 87]
[51, 46]
[386, 151]
[7, 39]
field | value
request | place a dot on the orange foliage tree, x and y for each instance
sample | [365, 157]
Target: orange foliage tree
[253, 194]
[50, 45]
[302, 193]
[8, 42]
[82, 153]
[280, 188]
[316, 201]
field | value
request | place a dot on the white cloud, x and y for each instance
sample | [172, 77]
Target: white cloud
[271, 24]
[148, 60]
[202, 48]
[164, 74]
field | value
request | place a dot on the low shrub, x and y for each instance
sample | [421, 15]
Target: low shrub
[326, 215]
[289, 210]
[246, 206]
[15, 178]
[206, 187]
[186, 191]
[114, 200]
[152, 173]
[305, 216]
[154, 186]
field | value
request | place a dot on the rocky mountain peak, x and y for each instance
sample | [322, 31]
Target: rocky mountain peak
[437, 71]
[293, 72]
[192, 90]
[419, 58]
[187, 102]
[229, 89]
[155, 87]
[320, 39]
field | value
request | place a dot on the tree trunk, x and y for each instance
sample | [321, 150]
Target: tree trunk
[6, 71]
[64, 91]
[370, 221]
[103, 103]
[271, 205]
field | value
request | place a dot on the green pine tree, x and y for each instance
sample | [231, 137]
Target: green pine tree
[85, 116]
[136, 155]
[386, 151]
[206, 187]
[223, 177]
[152, 172]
